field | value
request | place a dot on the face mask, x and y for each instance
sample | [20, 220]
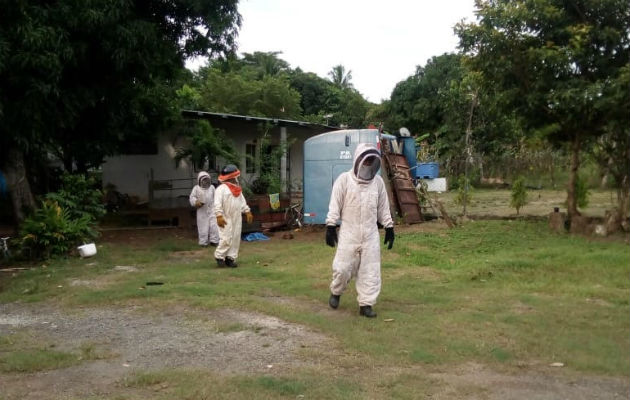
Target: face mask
[205, 183]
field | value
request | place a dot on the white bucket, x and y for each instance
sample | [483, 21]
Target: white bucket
[87, 250]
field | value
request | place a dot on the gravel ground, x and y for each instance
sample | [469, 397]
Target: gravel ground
[225, 341]
[236, 342]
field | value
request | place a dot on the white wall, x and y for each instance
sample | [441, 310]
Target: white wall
[131, 173]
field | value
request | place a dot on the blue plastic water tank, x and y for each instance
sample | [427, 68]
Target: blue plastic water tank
[409, 150]
[326, 156]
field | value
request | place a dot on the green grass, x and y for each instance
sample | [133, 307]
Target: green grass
[502, 294]
[191, 385]
[36, 360]
[23, 352]
[26, 352]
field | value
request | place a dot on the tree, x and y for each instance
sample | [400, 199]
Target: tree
[418, 103]
[265, 63]
[552, 62]
[262, 84]
[612, 149]
[79, 79]
[206, 143]
[437, 100]
[313, 92]
[518, 197]
[340, 77]
[353, 108]
[240, 93]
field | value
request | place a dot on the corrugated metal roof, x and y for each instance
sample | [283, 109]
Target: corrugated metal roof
[275, 121]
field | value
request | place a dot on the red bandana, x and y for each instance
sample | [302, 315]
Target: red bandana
[226, 177]
[235, 189]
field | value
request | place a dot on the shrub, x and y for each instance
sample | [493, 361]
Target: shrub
[464, 191]
[422, 193]
[519, 194]
[581, 192]
[268, 166]
[51, 231]
[79, 197]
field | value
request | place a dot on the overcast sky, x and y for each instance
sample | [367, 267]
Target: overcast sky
[381, 42]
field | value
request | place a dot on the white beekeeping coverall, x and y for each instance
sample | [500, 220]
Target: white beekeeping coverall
[359, 200]
[206, 221]
[230, 207]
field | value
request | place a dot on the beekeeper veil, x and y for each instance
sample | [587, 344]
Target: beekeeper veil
[203, 179]
[367, 162]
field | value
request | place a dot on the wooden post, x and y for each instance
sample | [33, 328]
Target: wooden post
[283, 159]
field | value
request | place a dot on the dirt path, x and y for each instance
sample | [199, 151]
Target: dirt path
[235, 342]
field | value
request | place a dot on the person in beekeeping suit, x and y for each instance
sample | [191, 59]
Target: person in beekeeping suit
[229, 204]
[202, 198]
[359, 200]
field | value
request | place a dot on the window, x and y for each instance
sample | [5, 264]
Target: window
[250, 158]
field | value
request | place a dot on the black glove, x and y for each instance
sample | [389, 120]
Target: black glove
[389, 237]
[331, 236]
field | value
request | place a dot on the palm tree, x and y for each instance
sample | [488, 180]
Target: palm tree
[267, 63]
[340, 77]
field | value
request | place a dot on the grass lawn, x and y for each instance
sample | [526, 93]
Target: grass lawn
[508, 295]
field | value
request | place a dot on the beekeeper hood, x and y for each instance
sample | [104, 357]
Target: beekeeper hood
[229, 177]
[203, 179]
[367, 162]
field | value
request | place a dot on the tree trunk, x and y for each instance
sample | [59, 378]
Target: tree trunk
[19, 187]
[473, 103]
[552, 169]
[573, 172]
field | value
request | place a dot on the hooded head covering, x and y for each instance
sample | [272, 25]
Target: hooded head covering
[203, 175]
[228, 172]
[367, 162]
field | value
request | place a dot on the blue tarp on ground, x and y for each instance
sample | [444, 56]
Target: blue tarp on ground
[254, 236]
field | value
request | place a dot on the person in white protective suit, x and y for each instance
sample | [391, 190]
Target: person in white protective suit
[202, 198]
[229, 204]
[359, 200]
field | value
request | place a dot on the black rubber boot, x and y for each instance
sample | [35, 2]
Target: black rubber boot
[333, 301]
[220, 262]
[367, 311]
[230, 262]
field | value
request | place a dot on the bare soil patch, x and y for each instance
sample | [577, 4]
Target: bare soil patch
[142, 237]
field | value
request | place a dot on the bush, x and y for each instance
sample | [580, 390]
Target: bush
[79, 197]
[51, 231]
[268, 166]
[519, 194]
[581, 192]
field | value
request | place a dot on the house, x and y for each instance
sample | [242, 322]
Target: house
[148, 173]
